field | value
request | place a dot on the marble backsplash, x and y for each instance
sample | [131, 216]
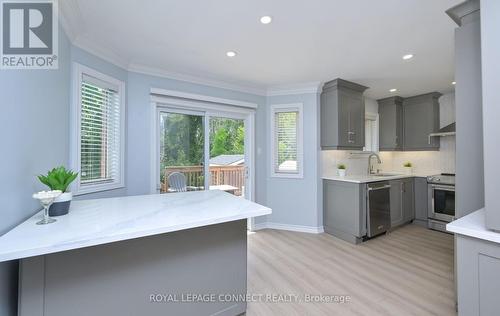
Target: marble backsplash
[424, 162]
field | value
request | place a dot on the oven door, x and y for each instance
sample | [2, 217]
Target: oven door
[442, 202]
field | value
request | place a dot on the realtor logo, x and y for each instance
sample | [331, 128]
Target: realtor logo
[29, 35]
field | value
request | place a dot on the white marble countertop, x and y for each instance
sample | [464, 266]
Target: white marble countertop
[473, 225]
[101, 221]
[368, 178]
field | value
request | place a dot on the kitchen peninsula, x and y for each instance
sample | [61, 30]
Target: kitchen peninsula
[112, 256]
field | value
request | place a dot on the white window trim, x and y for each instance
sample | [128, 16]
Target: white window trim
[300, 140]
[75, 140]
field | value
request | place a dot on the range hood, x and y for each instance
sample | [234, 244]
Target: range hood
[448, 130]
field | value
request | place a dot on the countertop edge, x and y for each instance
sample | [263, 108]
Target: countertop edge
[128, 236]
[395, 177]
[472, 225]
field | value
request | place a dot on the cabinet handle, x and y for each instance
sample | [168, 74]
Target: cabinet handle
[349, 139]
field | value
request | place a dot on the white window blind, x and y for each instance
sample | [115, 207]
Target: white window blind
[100, 132]
[99, 139]
[287, 140]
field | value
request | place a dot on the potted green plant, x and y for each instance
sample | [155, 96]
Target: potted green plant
[341, 169]
[408, 167]
[59, 179]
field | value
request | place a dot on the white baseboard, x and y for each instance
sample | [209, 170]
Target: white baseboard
[293, 228]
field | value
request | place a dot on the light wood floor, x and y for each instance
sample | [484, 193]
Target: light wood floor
[407, 272]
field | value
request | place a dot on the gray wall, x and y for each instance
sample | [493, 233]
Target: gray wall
[297, 201]
[490, 32]
[35, 115]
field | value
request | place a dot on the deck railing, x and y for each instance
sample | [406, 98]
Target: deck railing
[219, 175]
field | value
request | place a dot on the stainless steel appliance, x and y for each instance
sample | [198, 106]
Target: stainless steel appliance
[378, 208]
[441, 193]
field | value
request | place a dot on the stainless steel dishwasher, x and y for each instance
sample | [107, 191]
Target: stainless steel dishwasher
[378, 208]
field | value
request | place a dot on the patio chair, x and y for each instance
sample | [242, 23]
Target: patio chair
[177, 182]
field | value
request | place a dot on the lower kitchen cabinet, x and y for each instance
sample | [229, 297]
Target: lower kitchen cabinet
[478, 276]
[344, 210]
[345, 207]
[402, 201]
[421, 201]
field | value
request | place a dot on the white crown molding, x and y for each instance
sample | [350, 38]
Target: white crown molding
[100, 51]
[293, 228]
[200, 97]
[195, 79]
[298, 88]
[458, 12]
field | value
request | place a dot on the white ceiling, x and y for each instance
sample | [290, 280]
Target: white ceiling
[308, 41]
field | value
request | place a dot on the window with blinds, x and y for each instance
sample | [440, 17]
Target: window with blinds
[100, 132]
[286, 141]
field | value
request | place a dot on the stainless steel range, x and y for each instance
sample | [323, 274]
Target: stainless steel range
[441, 193]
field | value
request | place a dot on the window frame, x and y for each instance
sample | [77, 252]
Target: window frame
[374, 119]
[75, 157]
[291, 107]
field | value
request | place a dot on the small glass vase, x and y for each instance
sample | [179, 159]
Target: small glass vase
[46, 199]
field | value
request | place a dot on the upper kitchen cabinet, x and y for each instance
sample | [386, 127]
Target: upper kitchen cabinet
[342, 115]
[421, 118]
[391, 123]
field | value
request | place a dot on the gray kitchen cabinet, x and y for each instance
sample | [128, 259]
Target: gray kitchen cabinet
[344, 210]
[421, 198]
[408, 200]
[421, 118]
[478, 276]
[342, 115]
[396, 203]
[390, 112]
[402, 201]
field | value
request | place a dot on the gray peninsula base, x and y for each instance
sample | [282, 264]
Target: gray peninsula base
[144, 276]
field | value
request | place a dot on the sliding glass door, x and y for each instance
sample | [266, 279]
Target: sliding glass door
[227, 164]
[181, 151]
[189, 141]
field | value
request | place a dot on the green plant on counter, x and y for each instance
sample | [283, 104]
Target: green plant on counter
[341, 166]
[58, 178]
[408, 164]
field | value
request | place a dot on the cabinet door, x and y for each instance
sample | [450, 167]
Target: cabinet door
[408, 200]
[329, 119]
[351, 119]
[421, 199]
[391, 123]
[396, 203]
[421, 118]
[344, 136]
[399, 145]
[357, 120]
[387, 126]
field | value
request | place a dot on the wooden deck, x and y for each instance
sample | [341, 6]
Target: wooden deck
[219, 175]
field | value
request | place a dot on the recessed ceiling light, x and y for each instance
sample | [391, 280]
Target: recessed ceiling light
[408, 56]
[230, 53]
[393, 90]
[266, 19]
[454, 83]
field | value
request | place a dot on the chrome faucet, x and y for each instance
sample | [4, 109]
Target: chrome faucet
[370, 166]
